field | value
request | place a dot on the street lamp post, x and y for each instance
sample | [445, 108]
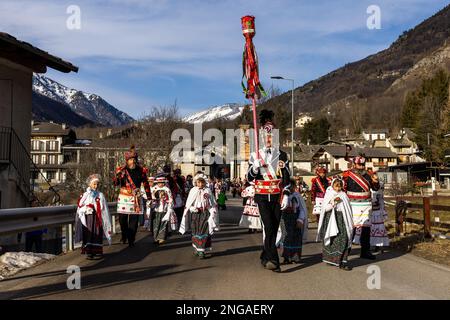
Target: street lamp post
[292, 120]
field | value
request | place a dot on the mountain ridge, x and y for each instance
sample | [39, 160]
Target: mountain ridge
[228, 111]
[88, 106]
[384, 76]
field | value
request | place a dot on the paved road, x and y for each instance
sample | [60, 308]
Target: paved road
[234, 272]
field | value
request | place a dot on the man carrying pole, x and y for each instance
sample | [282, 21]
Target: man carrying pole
[268, 165]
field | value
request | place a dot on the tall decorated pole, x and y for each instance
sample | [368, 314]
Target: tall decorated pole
[250, 72]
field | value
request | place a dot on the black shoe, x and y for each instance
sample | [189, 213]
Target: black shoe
[296, 260]
[345, 267]
[131, 244]
[271, 266]
[277, 270]
[368, 256]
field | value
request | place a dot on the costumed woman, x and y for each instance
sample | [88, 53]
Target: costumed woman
[358, 184]
[163, 215]
[292, 223]
[319, 185]
[336, 226]
[250, 217]
[129, 178]
[92, 220]
[378, 233]
[148, 207]
[199, 216]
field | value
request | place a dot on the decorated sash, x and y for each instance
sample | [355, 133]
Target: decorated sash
[320, 185]
[270, 184]
[135, 193]
[360, 181]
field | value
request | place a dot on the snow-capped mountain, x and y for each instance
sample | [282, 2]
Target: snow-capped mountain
[229, 111]
[87, 105]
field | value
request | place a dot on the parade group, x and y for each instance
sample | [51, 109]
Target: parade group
[349, 208]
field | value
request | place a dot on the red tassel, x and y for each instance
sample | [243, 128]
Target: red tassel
[98, 213]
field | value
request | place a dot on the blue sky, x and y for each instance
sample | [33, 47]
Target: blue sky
[142, 53]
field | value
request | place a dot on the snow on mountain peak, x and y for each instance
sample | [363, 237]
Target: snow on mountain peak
[229, 111]
[87, 105]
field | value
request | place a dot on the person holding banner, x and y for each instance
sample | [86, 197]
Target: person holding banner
[269, 169]
[358, 184]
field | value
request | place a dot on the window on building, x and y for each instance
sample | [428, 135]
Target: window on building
[336, 166]
[52, 159]
[43, 159]
[51, 175]
[35, 144]
[36, 158]
[52, 145]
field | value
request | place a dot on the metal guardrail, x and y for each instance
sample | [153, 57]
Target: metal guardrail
[28, 219]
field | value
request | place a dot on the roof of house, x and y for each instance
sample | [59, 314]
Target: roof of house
[376, 131]
[48, 128]
[409, 133]
[340, 151]
[301, 172]
[399, 143]
[30, 56]
[355, 137]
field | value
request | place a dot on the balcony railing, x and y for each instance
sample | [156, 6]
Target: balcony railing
[13, 153]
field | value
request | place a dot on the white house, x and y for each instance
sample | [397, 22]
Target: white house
[302, 120]
[375, 134]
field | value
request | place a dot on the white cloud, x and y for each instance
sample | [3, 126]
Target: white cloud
[202, 39]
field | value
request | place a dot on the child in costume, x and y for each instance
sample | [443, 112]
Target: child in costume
[199, 216]
[250, 217]
[378, 233]
[221, 200]
[92, 220]
[163, 215]
[336, 226]
[292, 222]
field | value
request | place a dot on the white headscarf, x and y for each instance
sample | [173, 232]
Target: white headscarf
[344, 207]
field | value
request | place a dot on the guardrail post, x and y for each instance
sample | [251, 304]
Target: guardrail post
[113, 224]
[69, 237]
[427, 217]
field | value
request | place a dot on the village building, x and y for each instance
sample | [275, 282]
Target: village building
[18, 61]
[404, 145]
[302, 120]
[47, 142]
[375, 134]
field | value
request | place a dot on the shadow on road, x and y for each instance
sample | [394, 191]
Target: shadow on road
[99, 281]
[236, 251]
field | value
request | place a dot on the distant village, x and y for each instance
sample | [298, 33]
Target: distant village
[59, 154]
[53, 158]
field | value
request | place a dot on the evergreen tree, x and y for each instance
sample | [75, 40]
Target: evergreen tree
[427, 112]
